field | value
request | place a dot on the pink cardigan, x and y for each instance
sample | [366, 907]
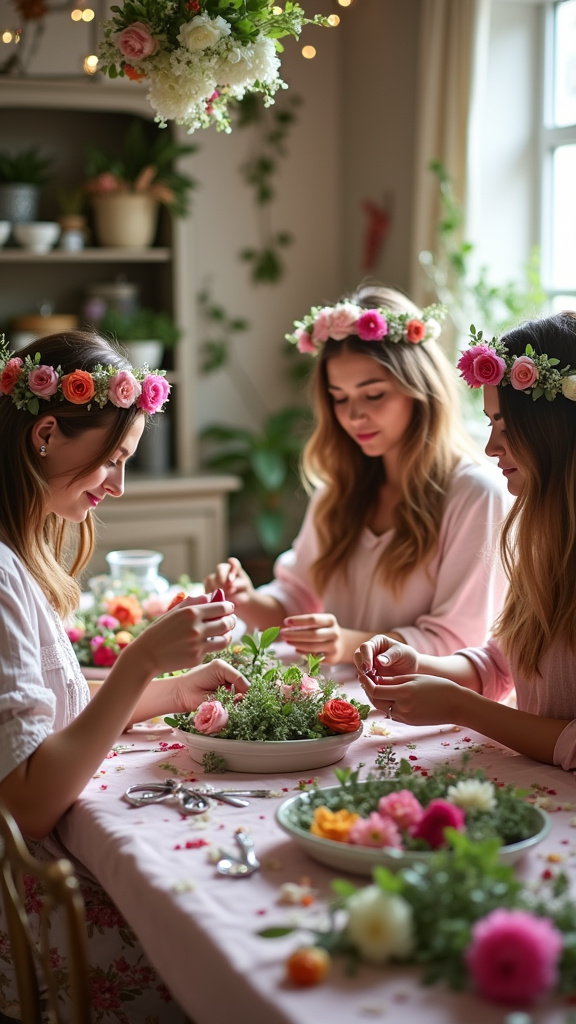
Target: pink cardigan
[451, 603]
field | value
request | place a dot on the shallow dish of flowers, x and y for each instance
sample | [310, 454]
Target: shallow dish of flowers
[291, 718]
[354, 827]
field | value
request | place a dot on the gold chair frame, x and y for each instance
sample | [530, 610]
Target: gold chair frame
[37, 989]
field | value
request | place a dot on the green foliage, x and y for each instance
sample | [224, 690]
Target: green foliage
[222, 328]
[28, 167]
[138, 154]
[141, 325]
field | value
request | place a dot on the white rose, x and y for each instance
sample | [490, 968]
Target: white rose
[433, 329]
[569, 387]
[380, 925]
[472, 794]
[202, 32]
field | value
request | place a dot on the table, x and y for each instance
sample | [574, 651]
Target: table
[199, 929]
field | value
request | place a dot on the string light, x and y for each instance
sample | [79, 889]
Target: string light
[309, 52]
[6, 37]
[88, 14]
[345, 3]
[91, 64]
[76, 14]
[333, 20]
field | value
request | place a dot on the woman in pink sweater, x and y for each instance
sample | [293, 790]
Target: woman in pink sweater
[401, 527]
[529, 379]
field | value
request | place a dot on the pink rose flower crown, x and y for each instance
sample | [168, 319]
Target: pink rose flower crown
[28, 382]
[536, 374]
[379, 325]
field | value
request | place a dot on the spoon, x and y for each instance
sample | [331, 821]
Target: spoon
[231, 867]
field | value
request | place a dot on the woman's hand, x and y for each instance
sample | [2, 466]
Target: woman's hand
[383, 656]
[318, 634]
[182, 637]
[191, 688]
[418, 700]
[234, 581]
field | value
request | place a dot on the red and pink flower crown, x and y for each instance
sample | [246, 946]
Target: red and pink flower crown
[490, 362]
[380, 324]
[28, 381]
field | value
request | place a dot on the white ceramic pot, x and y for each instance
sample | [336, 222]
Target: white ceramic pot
[37, 235]
[125, 220]
[145, 351]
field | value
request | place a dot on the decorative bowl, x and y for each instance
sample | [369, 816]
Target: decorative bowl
[360, 860]
[38, 235]
[270, 756]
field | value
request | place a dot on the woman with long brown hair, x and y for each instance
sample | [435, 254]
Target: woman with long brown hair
[401, 527]
[529, 380]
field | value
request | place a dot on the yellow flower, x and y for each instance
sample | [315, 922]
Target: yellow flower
[332, 824]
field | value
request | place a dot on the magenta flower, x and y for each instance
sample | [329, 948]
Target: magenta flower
[108, 622]
[402, 807]
[155, 391]
[375, 831]
[211, 717]
[75, 633]
[466, 364]
[489, 368]
[513, 956]
[43, 381]
[371, 326]
[524, 373]
[438, 816]
[103, 656]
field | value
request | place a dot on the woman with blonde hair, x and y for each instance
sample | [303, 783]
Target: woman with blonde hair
[72, 411]
[529, 380]
[402, 523]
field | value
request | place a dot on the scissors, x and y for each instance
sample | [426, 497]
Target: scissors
[192, 801]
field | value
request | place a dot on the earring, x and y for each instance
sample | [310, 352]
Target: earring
[42, 450]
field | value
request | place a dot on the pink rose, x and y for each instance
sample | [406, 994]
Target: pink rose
[124, 389]
[154, 606]
[489, 368]
[155, 391]
[10, 375]
[438, 816]
[304, 342]
[136, 42]
[75, 633]
[402, 807]
[211, 717]
[524, 373]
[375, 831]
[371, 326]
[102, 656]
[343, 321]
[466, 364]
[43, 381]
[308, 687]
[415, 331]
[513, 956]
[321, 329]
[108, 622]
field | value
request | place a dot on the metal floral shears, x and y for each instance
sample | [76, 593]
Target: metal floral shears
[190, 800]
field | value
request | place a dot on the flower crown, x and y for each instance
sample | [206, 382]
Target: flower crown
[346, 318]
[490, 362]
[27, 381]
[197, 55]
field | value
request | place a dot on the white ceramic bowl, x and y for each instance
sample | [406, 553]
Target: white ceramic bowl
[270, 756]
[37, 235]
[5, 228]
[360, 860]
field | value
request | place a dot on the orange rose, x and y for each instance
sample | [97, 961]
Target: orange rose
[126, 609]
[123, 638]
[177, 599]
[415, 331]
[10, 375]
[78, 387]
[340, 716]
[334, 825]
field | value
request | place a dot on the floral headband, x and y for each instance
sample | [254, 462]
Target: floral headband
[489, 362]
[346, 318]
[27, 381]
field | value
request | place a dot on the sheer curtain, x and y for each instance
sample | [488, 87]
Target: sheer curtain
[451, 61]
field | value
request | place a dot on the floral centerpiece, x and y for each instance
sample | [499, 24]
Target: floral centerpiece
[197, 55]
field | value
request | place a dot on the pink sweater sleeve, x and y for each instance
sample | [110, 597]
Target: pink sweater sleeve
[493, 669]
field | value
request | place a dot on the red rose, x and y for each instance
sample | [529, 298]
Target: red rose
[340, 716]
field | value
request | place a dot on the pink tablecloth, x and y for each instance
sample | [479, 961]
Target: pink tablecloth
[199, 929]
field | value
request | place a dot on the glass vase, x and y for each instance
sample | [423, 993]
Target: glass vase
[136, 570]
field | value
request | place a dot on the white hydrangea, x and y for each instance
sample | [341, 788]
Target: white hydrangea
[241, 66]
[472, 794]
[380, 925]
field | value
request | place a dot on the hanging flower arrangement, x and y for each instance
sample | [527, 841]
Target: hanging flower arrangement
[197, 55]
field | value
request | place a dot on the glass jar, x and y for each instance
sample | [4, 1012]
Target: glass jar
[136, 570]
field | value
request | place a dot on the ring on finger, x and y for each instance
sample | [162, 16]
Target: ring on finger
[390, 711]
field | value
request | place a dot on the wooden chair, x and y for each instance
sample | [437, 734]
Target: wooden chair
[37, 988]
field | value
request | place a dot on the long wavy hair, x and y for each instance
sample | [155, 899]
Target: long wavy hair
[53, 550]
[538, 541]
[431, 447]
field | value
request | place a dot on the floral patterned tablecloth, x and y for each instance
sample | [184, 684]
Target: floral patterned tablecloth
[199, 929]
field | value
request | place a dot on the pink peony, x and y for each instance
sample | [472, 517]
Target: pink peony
[466, 364]
[108, 622]
[375, 831]
[103, 656]
[136, 41]
[43, 381]
[155, 605]
[211, 717]
[513, 956]
[343, 321]
[124, 389]
[321, 329]
[10, 375]
[155, 391]
[304, 343]
[75, 633]
[489, 368]
[415, 331]
[371, 326]
[402, 807]
[524, 373]
[438, 816]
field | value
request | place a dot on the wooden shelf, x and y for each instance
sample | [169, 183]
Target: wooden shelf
[99, 254]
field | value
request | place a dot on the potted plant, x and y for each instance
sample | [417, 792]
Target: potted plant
[145, 333]
[72, 219]
[127, 187]
[22, 175]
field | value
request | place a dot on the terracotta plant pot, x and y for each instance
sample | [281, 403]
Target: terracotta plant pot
[125, 220]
